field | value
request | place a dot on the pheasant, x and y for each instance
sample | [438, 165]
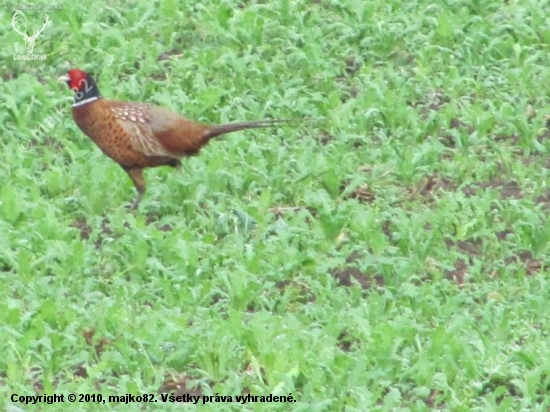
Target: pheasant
[142, 135]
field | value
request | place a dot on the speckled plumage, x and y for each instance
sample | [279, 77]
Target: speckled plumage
[132, 135]
[140, 135]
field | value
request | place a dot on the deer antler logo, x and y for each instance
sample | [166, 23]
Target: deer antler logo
[29, 40]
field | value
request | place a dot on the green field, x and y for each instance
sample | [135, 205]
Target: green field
[391, 257]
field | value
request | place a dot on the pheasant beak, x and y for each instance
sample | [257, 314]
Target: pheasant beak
[64, 79]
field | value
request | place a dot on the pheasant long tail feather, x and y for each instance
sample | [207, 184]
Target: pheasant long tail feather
[220, 129]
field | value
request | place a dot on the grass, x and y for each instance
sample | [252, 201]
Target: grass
[392, 257]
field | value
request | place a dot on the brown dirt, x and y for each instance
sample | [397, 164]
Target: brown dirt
[508, 190]
[9, 76]
[526, 259]
[427, 186]
[4, 267]
[435, 101]
[345, 341]
[458, 273]
[300, 290]
[472, 249]
[361, 193]
[350, 275]
[180, 385]
[169, 55]
[97, 344]
[352, 65]
[85, 229]
[325, 137]
[455, 124]
[279, 211]
[80, 371]
[151, 218]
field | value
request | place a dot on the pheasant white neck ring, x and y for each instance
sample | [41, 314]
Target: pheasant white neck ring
[85, 101]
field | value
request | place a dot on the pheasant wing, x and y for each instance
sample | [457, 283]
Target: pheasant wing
[137, 122]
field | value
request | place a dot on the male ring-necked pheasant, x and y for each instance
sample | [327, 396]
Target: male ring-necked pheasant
[141, 135]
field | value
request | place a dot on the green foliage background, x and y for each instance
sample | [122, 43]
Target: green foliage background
[382, 259]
